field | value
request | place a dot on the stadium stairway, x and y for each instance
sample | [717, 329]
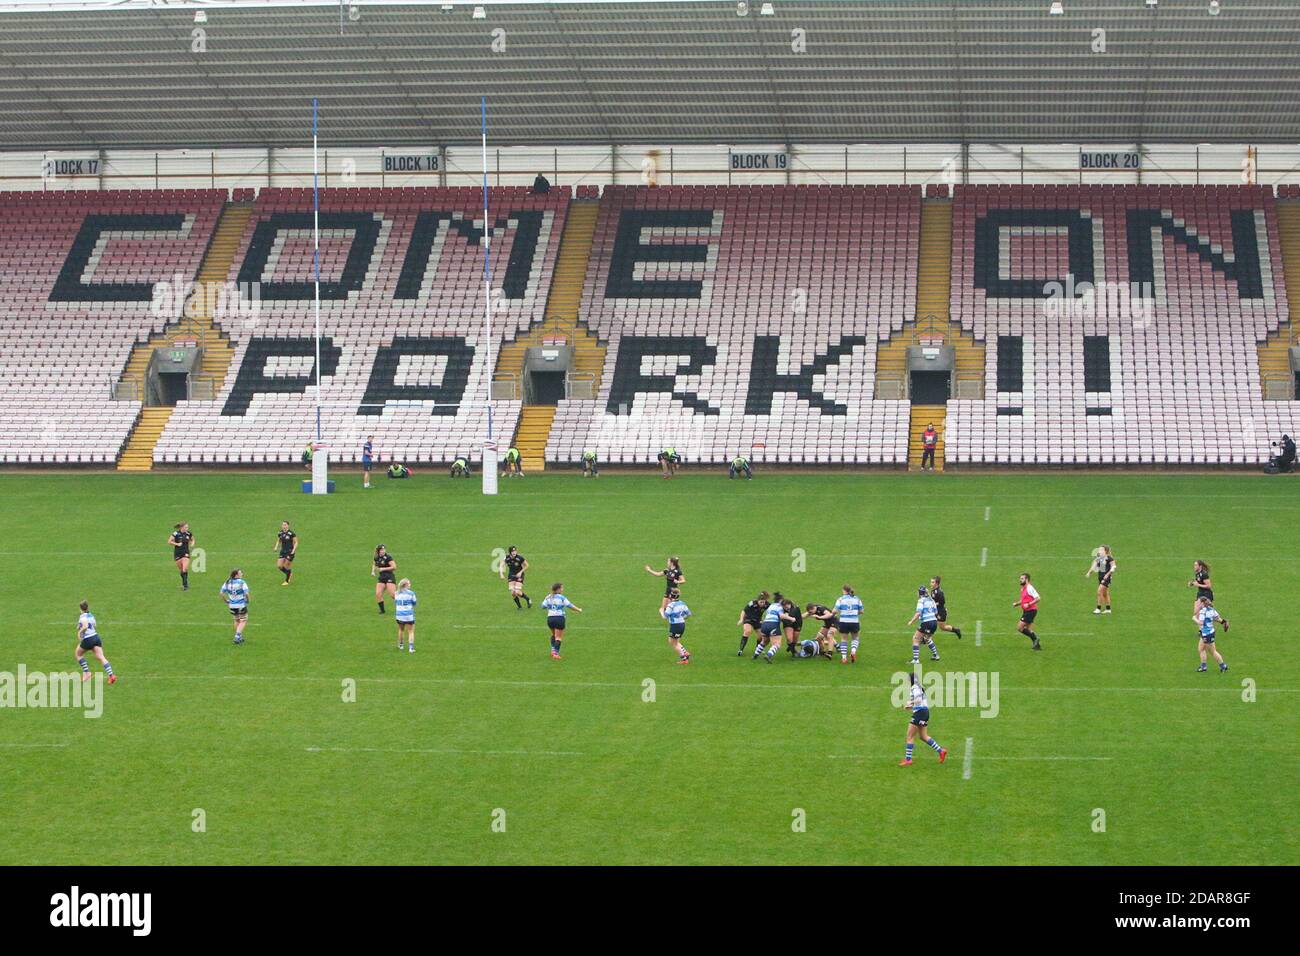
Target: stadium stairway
[196, 323]
[1275, 373]
[531, 433]
[923, 415]
[933, 322]
[560, 322]
[137, 454]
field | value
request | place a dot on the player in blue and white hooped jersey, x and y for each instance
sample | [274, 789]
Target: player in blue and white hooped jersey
[919, 705]
[235, 593]
[404, 611]
[89, 641]
[848, 611]
[675, 613]
[926, 620]
[771, 628]
[1205, 617]
[556, 605]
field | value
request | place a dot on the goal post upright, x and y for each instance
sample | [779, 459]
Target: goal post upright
[489, 441]
[320, 451]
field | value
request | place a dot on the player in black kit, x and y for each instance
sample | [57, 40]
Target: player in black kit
[516, 564]
[941, 604]
[286, 543]
[827, 623]
[181, 541]
[1204, 588]
[673, 578]
[751, 617]
[792, 627]
[384, 567]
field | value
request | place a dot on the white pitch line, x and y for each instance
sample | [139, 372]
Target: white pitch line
[987, 511]
[36, 746]
[984, 557]
[636, 685]
[979, 633]
[969, 758]
[1047, 757]
[448, 751]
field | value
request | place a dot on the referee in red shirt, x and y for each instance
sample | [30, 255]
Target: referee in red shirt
[1028, 604]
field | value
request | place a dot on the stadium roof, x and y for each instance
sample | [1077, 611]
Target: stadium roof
[123, 74]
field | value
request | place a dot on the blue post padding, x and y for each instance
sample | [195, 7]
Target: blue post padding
[329, 486]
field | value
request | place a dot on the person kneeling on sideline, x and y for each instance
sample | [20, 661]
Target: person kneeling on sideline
[740, 465]
[514, 463]
[589, 466]
[398, 470]
[460, 467]
[668, 461]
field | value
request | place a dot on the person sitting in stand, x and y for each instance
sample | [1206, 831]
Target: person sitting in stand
[740, 465]
[460, 467]
[398, 470]
[589, 467]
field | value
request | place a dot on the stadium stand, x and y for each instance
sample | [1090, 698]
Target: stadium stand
[1163, 369]
[745, 320]
[77, 274]
[402, 317]
[717, 319]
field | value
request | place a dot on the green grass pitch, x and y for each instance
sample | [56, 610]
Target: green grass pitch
[1110, 718]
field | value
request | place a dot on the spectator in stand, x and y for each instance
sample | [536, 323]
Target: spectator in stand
[541, 185]
[929, 442]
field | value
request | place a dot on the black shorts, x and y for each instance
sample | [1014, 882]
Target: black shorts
[676, 630]
[515, 579]
[928, 627]
[832, 625]
[770, 627]
[555, 623]
[89, 643]
[1207, 593]
[178, 553]
[943, 614]
[795, 627]
[1104, 582]
[286, 556]
[387, 577]
[669, 590]
[848, 627]
[921, 716]
[1028, 616]
[752, 622]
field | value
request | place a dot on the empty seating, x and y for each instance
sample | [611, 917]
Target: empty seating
[77, 277]
[403, 356]
[1158, 365]
[745, 320]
